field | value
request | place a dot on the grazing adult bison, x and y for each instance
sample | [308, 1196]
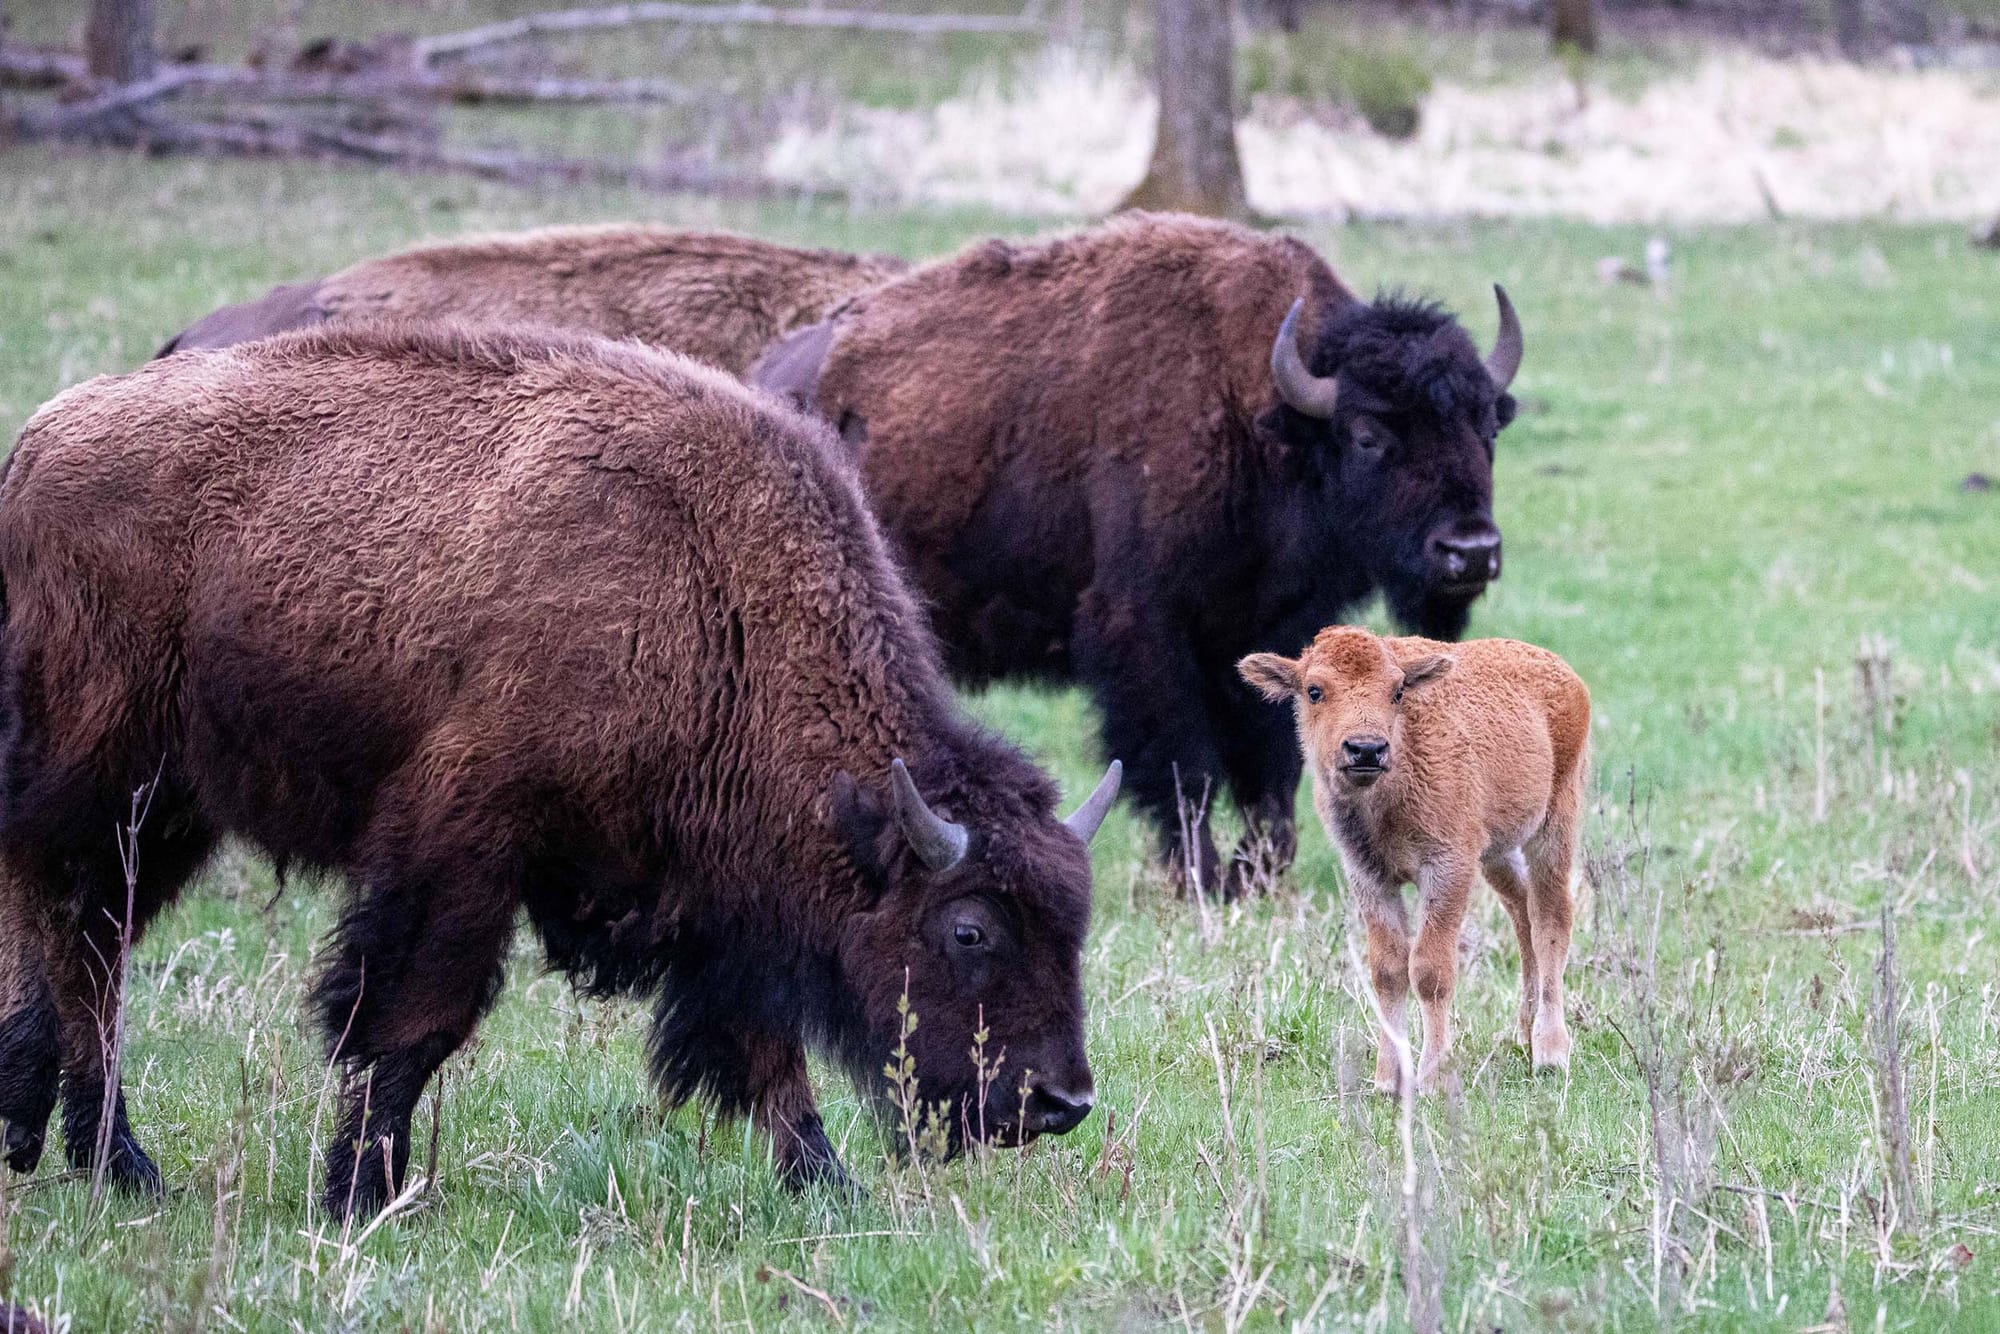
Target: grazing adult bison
[716, 297]
[1099, 465]
[488, 624]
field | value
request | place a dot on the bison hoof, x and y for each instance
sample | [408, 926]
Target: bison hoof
[23, 1147]
[127, 1167]
[358, 1184]
[812, 1163]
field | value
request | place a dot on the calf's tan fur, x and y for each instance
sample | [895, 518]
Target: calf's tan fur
[1431, 763]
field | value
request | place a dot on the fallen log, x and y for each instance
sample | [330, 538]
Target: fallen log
[326, 143]
[426, 50]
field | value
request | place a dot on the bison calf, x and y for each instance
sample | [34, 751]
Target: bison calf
[492, 627]
[1430, 763]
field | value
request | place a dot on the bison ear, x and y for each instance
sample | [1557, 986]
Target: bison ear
[859, 818]
[1276, 678]
[1428, 668]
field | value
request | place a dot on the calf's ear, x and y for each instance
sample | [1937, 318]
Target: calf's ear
[1276, 678]
[1428, 668]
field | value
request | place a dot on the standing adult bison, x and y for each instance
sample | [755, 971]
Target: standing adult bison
[1099, 466]
[486, 625]
[713, 296]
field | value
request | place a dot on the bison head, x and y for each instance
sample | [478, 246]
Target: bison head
[967, 966]
[1398, 414]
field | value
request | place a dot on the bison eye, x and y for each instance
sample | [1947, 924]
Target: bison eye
[1315, 694]
[1397, 697]
[968, 936]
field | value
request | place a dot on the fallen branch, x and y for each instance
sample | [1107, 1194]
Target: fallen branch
[22, 68]
[325, 143]
[429, 49]
[39, 67]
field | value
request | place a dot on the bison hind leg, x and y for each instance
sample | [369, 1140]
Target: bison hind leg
[30, 1066]
[415, 964]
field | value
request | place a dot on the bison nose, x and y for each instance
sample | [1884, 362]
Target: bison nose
[1468, 554]
[1056, 1111]
[1364, 752]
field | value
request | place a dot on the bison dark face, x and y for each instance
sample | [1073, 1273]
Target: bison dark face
[981, 926]
[1402, 414]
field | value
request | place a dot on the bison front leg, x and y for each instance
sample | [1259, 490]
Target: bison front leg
[1261, 753]
[782, 1106]
[709, 1043]
[1143, 672]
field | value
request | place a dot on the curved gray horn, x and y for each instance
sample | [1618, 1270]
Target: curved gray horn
[1300, 388]
[938, 842]
[1087, 817]
[1505, 358]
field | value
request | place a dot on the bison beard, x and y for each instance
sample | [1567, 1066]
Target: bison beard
[486, 626]
[1082, 451]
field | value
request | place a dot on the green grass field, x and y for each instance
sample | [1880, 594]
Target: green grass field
[1712, 497]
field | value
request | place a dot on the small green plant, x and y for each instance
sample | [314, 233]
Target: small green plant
[1384, 84]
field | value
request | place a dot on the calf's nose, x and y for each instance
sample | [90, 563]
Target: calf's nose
[1467, 555]
[1057, 1111]
[1366, 751]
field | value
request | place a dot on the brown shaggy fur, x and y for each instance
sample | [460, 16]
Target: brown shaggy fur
[713, 296]
[1432, 762]
[486, 624]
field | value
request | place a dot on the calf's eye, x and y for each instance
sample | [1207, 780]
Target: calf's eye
[968, 936]
[1315, 694]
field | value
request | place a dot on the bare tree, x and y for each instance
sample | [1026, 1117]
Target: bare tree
[1573, 25]
[1195, 168]
[118, 40]
[1850, 28]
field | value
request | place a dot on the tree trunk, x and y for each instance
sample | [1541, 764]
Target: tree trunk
[1909, 22]
[1195, 168]
[118, 40]
[1574, 25]
[1850, 28]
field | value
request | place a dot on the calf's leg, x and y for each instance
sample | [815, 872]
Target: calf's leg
[1383, 913]
[1550, 855]
[1444, 890]
[1508, 874]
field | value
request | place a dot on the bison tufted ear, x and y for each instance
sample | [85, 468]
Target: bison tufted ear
[1275, 677]
[860, 819]
[1428, 668]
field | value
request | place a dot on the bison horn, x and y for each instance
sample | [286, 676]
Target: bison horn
[1505, 359]
[938, 842]
[1087, 817]
[1301, 390]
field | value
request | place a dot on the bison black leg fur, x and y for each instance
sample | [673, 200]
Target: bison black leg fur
[416, 964]
[1156, 720]
[68, 921]
[759, 1073]
[1261, 756]
[30, 1037]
